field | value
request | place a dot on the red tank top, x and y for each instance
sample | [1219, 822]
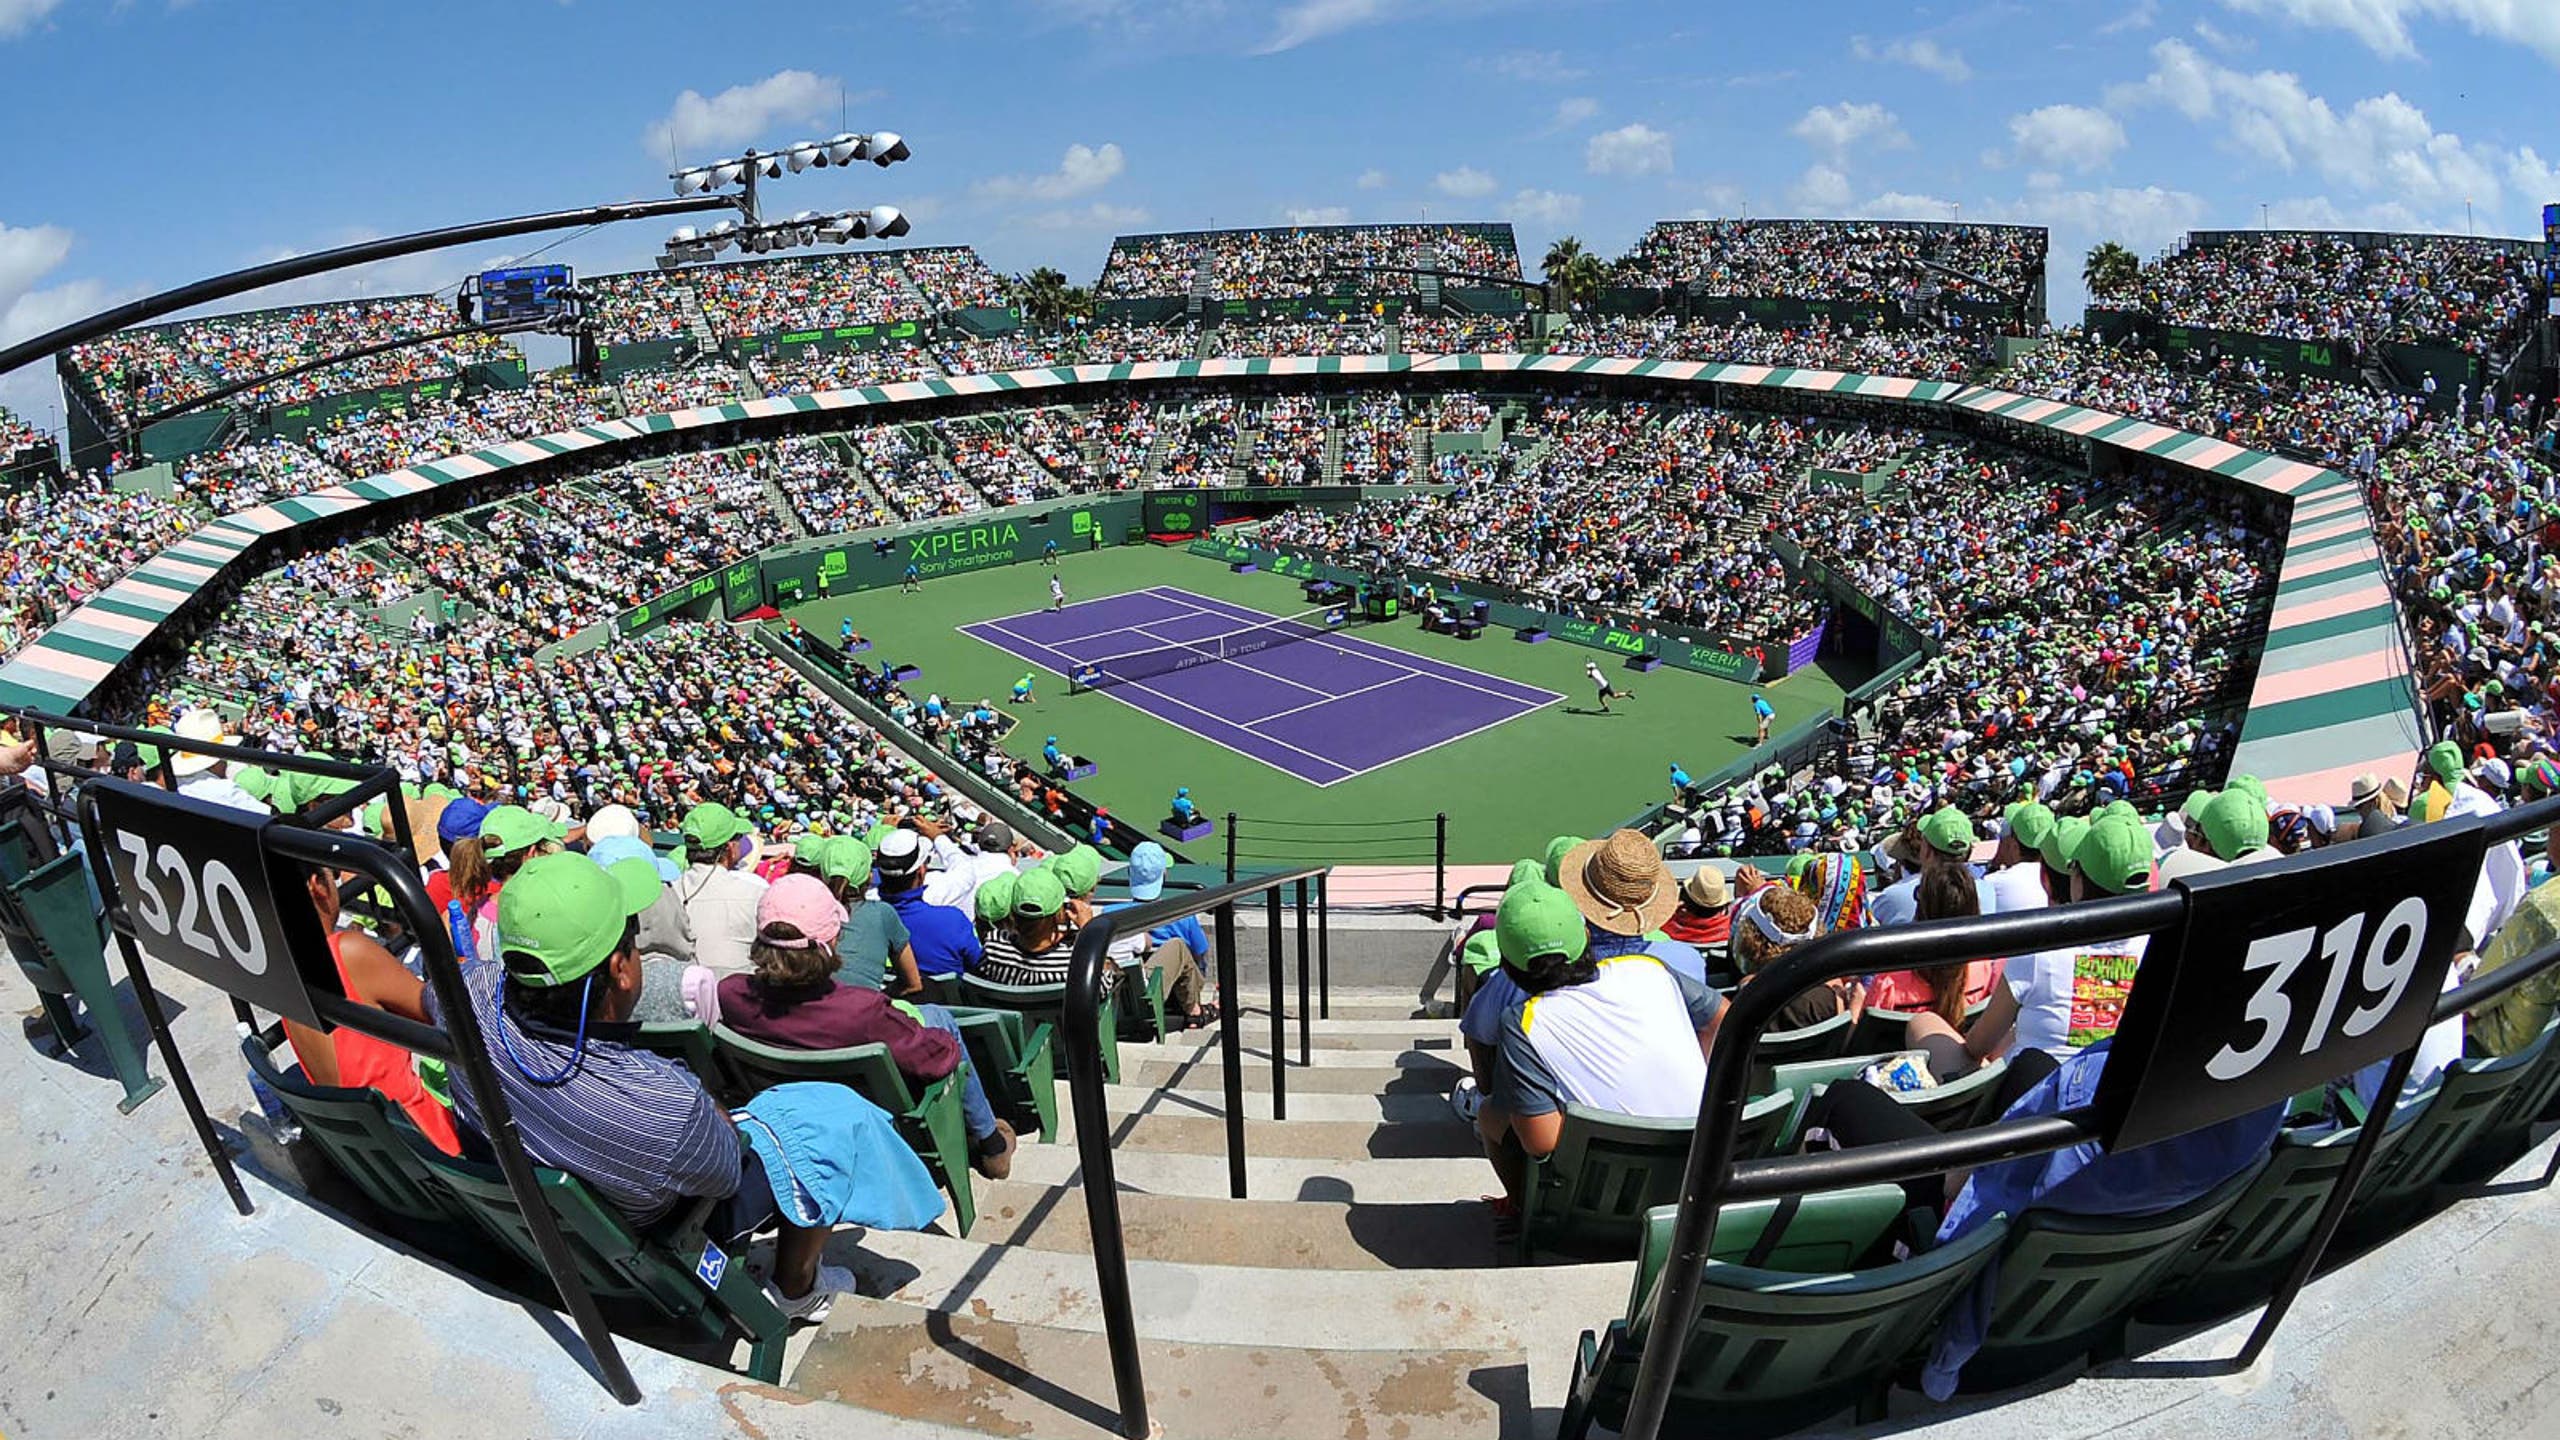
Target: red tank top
[365, 1063]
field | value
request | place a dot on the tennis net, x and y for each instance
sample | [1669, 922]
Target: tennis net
[1154, 660]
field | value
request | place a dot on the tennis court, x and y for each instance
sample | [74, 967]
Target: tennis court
[1322, 705]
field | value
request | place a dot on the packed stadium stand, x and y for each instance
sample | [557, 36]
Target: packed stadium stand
[2128, 605]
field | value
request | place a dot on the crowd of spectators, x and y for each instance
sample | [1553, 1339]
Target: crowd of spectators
[18, 436]
[637, 306]
[961, 353]
[1340, 335]
[807, 292]
[137, 373]
[952, 277]
[1288, 262]
[252, 471]
[809, 370]
[984, 452]
[61, 543]
[921, 483]
[376, 441]
[1458, 334]
[1861, 260]
[1924, 352]
[828, 496]
[2330, 422]
[662, 389]
[2476, 295]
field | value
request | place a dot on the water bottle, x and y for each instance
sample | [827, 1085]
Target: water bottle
[281, 1126]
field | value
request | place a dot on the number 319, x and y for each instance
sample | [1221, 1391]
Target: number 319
[2387, 965]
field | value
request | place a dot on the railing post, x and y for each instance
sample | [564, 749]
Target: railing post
[1080, 1016]
[1231, 847]
[1306, 1019]
[1324, 950]
[1440, 867]
[2333, 1210]
[1231, 1046]
[1279, 1008]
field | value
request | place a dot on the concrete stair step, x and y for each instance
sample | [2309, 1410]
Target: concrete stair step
[1269, 1234]
[1201, 1094]
[1446, 1052]
[1269, 1177]
[997, 1377]
[1285, 1306]
[1445, 1139]
[1206, 1075]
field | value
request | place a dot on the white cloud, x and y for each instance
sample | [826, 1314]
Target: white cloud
[2223, 40]
[1464, 183]
[2073, 137]
[1903, 205]
[2383, 25]
[2381, 145]
[1571, 111]
[17, 17]
[1636, 149]
[1921, 54]
[1835, 129]
[1821, 189]
[2141, 16]
[695, 126]
[2148, 219]
[1372, 178]
[1309, 20]
[1100, 215]
[1316, 215]
[1546, 207]
[1082, 170]
[1532, 67]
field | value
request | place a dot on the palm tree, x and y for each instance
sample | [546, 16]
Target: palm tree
[1560, 254]
[2110, 270]
[1577, 282]
[1042, 294]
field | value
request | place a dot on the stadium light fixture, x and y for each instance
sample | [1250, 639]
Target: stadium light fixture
[751, 232]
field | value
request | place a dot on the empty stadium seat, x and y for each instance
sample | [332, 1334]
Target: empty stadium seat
[1774, 1350]
[2236, 1262]
[58, 936]
[1045, 1004]
[1020, 1072]
[2466, 1100]
[1589, 1196]
[1825, 1041]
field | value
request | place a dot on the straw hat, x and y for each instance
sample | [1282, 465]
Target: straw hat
[1619, 883]
[205, 728]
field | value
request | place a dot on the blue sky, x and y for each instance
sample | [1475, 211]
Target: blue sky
[203, 135]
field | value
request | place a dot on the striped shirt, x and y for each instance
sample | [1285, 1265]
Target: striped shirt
[1005, 963]
[636, 1126]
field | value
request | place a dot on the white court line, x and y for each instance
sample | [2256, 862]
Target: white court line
[1325, 760]
[1238, 663]
[1098, 634]
[1441, 676]
[1254, 725]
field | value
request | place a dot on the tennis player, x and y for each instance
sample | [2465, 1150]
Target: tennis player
[1761, 712]
[1057, 594]
[1602, 690]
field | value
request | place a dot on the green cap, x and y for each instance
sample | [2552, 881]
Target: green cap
[2234, 824]
[2444, 758]
[1039, 892]
[1556, 850]
[2121, 810]
[304, 787]
[1526, 872]
[810, 852]
[1948, 831]
[1079, 869]
[2057, 847]
[995, 896]
[2115, 855]
[877, 833]
[638, 880]
[707, 827]
[2252, 785]
[2029, 823]
[847, 859]
[1538, 920]
[511, 828]
[1798, 864]
[259, 782]
[560, 918]
[2192, 812]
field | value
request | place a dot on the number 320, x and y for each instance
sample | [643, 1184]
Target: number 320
[2387, 965]
[234, 934]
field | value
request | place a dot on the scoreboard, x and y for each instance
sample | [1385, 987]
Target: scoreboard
[533, 293]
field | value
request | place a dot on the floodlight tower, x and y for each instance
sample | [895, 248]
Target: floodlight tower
[755, 235]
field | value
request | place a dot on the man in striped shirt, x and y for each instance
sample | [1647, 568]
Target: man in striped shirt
[639, 1128]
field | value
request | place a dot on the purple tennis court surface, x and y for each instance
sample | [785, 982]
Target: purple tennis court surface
[1323, 708]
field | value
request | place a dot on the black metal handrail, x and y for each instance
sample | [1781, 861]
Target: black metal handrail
[1081, 1018]
[1712, 1178]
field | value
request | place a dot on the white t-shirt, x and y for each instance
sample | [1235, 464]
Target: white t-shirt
[721, 903]
[2020, 887]
[2070, 999]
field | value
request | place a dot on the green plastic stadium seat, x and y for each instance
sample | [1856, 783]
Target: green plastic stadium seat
[931, 1121]
[59, 939]
[1952, 1106]
[2068, 1283]
[364, 1135]
[1589, 1197]
[1826, 1041]
[1775, 1350]
[1147, 1020]
[938, 990]
[1043, 1003]
[1021, 1074]
[2506, 1135]
[650, 1282]
[688, 1043]
[2464, 1101]
[2236, 1263]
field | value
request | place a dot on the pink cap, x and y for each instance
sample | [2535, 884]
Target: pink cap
[804, 903]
